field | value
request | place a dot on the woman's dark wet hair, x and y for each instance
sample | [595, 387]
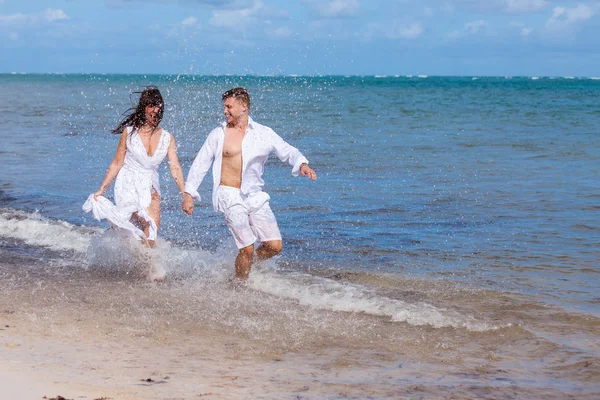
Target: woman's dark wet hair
[136, 116]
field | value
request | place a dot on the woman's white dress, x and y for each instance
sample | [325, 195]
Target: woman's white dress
[133, 186]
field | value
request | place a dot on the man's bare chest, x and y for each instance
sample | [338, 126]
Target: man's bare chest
[232, 146]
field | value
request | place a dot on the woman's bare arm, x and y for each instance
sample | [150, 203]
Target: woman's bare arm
[115, 165]
[176, 171]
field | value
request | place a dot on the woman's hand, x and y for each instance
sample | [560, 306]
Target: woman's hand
[100, 192]
[187, 204]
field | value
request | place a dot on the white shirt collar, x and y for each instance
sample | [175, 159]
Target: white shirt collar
[251, 123]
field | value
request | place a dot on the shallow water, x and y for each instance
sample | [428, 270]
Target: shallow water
[453, 229]
[440, 332]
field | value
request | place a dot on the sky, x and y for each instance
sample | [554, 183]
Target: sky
[302, 37]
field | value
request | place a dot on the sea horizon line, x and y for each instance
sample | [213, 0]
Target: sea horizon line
[179, 75]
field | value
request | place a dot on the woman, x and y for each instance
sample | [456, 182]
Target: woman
[142, 148]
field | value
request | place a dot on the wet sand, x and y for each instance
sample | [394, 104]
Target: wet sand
[41, 362]
[92, 333]
[84, 362]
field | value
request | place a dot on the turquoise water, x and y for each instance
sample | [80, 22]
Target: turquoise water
[492, 181]
[454, 228]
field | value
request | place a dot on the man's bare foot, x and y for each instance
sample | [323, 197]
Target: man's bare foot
[236, 282]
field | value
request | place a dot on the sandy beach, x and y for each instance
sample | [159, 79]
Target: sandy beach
[94, 336]
[449, 248]
[79, 319]
[92, 364]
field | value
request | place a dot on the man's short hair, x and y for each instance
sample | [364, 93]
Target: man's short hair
[238, 93]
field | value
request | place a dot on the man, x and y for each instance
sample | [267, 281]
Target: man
[239, 149]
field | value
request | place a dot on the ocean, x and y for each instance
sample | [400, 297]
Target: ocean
[454, 226]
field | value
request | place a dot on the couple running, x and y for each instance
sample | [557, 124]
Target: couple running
[237, 151]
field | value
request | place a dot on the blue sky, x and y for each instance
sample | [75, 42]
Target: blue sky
[305, 37]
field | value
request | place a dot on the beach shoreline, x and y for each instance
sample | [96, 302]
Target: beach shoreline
[39, 361]
[42, 360]
[98, 332]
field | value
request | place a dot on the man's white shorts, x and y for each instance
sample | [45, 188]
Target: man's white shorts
[248, 217]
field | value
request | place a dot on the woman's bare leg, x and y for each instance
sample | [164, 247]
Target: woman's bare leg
[156, 272]
[154, 213]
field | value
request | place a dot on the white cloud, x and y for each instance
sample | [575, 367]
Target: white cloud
[475, 26]
[50, 15]
[339, 8]
[240, 19]
[447, 8]
[13, 18]
[525, 6]
[228, 4]
[493, 7]
[523, 29]
[235, 19]
[564, 17]
[395, 29]
[470, 28]
[282, 32]
[412, 31]
[526, 31]
[335, 8]
[189, 21]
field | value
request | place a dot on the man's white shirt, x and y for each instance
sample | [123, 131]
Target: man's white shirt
[259, 141]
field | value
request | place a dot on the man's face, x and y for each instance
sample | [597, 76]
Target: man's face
[233, 109]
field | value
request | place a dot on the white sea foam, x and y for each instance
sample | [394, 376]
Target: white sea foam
[112, 250]
[327, 294]
[106, 249]
[115, 251]
[36, 230]
[535, 78]
[423, 76]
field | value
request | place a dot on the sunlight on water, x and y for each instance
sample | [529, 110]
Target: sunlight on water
[453, 227]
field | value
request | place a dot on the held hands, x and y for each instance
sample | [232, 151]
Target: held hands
[100, 192]
[305, 170]
[187, 204]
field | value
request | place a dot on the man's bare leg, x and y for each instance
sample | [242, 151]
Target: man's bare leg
[243, 262]
[269, 249]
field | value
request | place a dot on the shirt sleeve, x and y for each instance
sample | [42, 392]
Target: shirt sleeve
[288, 153]
[201, 165]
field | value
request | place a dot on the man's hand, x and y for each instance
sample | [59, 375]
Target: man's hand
[305, 170]
[187, 204]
